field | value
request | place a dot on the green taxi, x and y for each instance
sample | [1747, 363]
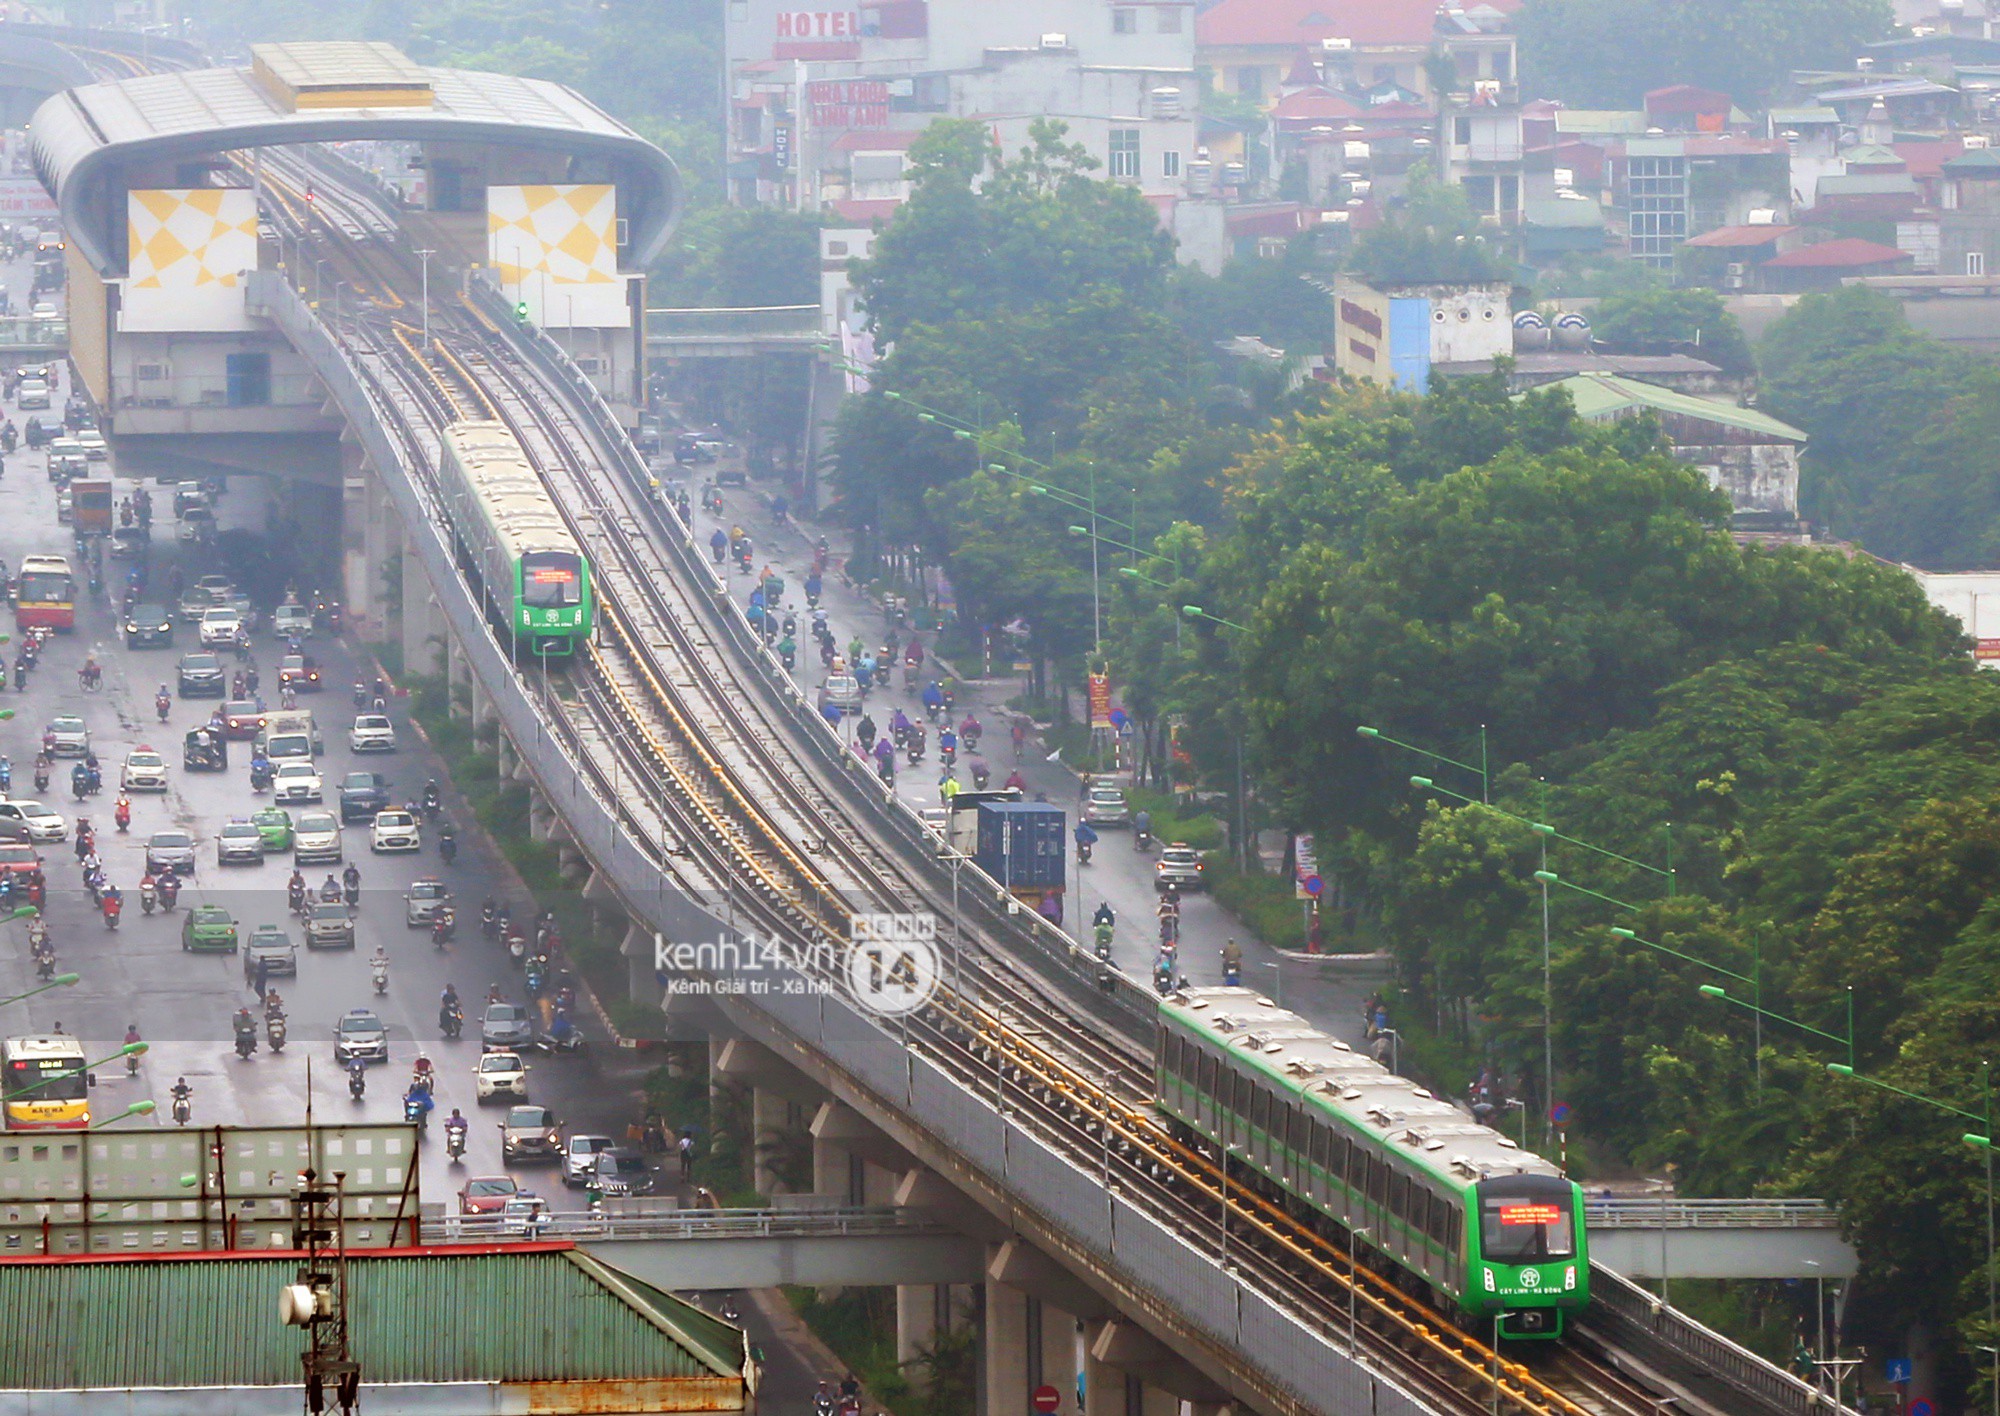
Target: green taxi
[209, 928]
[275, 824]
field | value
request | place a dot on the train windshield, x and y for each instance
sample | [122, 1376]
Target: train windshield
[1528, 1221]
[551, 579]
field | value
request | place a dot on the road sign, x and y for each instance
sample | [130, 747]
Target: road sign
[1896, 1371]
[1046, 1399]
[1559, 1113]
[1312, 884]
[1920, 1407]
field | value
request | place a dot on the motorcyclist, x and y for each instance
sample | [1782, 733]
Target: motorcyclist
[330, 891]
[417, 1104]
[351, 879]
[449, 998]
[121, 813]
[1232, 960]
[244, 1024]
[113, 905]
[1015, 781]
[379, 960]
[423, 1074]
[357, 1075]
[260, 772]
[295, 891]
[455, 1127]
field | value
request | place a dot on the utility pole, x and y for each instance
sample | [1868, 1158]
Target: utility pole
[318, 1300]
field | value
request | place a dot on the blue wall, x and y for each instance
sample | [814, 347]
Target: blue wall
[1410, 343]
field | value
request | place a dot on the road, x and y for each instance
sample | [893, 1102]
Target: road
[1324, 991]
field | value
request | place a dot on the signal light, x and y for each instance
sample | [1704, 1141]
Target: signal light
[521, 311]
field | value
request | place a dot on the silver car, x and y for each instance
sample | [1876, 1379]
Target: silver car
[67, 736]
[31, 821]
[579, 1157]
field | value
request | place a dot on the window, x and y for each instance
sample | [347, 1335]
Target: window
[1170, 164]
[1170, 19]
[836, 248]
[1250, 84]
[248, 379]
[1124, 152]
[1124, 21]
[1461, 131]
[1975, 262]
[1524, 1224]
[1656, 191]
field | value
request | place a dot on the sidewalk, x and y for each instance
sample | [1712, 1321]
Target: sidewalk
[1328, 991]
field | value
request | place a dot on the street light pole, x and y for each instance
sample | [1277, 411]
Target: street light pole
[425, 257]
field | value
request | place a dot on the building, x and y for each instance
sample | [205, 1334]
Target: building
[1397, 335]
[1370, 47]
[1823, 266]
[1972, 597]
[1729, 257]
[1969, 215]
[804, 85]
[1671, 188]
[505, 1328]
[1749, 455]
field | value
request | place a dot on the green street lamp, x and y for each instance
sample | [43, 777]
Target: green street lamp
[137, 1108]
[1197, 612]
[64, 980]
[1485, 795]
[1721, 994]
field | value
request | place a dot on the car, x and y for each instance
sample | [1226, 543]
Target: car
[1106, 806]
[239, 843]
[208, 927]
[215, 583]
[149, 627]
[505, 1026]
[359, 1033]
[274, 824]
[144, 771]
[578, 1153]
[31, 821]
[362, 794]
[1179, 865]
[620, 1170]
[843, 691]
[421, 901]
[197, 525]
[221, 626]
[193, 604]
[95, 448]
[170, 847]
[21, 866]
[32, 393]
[292, 620]
[500, 1074]
[67, 736]
[201, 676]
[530, 1132]
[316, 839]
[487, 1194]
[297, 781]
[395, 830]
[132, 543]
[270, 946]
[242, 718]
[372, 732]
[299, 672]
[328, 925]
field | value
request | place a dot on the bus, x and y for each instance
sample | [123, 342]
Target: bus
[43, 1084]
[45, 594]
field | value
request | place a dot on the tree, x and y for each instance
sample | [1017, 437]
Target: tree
[1607, 53]
[1432, 237]
[1643, 320]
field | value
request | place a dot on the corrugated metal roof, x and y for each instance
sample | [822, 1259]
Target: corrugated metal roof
[546, 1313]
[1606, 395]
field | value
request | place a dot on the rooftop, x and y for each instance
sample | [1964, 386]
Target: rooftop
[1313, 104]
[1291, 23]
[522, 1313]
[1980, 162]
[1733, 238]
[1846, 252]
[340, 74]
[1601, 395]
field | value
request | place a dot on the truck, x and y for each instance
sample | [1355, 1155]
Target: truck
[1021, 844]
[289, 735]
[91, 506]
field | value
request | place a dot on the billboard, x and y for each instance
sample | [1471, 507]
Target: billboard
[186, 250]
[555, 249]
[25, 199]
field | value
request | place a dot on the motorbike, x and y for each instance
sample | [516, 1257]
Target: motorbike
[448, 846]
[360, 695]
[1083, 852]
[454, 1141]
[1142, 839]
[113, 907]
[357, 1082]
[149, 896]
[41, 778]
[443, 926]
[1163, 977]
[260, 777]
[295, 896]
[913, 748]
[414, 1110]
[1104, 932]
[162, 706]
[183, 1108]
[535, 977]
[1232, 973]
[274, 1032]
[246, 1042]
[981, 774]
[431, 802]
[451, 1022]
[517, 945]
[351, 893]
[170, 893]
[567, 1040]
[121, 814]
[45, 963]
[379, 975]
[489, 921]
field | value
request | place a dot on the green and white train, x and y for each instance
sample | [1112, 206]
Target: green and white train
[1493, 1229]
[531, 574]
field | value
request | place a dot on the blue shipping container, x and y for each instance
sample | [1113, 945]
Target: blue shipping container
[1021, 844]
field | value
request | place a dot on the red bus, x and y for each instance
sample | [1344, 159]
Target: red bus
[45, 594]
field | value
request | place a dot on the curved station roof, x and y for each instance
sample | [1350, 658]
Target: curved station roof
[83, 140]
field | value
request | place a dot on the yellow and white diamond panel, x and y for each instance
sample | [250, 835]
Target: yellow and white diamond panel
[556, 247]
[186, 252]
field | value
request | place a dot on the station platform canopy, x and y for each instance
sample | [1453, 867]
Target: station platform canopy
[87, 140]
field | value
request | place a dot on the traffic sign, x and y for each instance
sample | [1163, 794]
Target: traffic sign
[1313, 885]
[1897, 1371]
[1046, 1399]
[1559, 1113]
[1920, 1407]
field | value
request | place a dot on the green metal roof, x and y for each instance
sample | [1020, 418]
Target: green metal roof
[545, 1313]
[1600, 120]
[1607, 395]
[1984, 162]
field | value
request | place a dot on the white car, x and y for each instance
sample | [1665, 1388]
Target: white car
[67, 736]
[144, 771]
[395, 831]
[501, 1074]
[221, 625]
[372, 732]
[95, 448]
[32, 394]
[297, 781]
[292, 620]
[31, 821]
[316, 838]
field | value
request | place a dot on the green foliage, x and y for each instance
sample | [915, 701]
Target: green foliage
[1640, 321]
[1433, 237]
[1608, 53]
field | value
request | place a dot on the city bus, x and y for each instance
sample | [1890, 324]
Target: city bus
[43, 1084]
[45, 594]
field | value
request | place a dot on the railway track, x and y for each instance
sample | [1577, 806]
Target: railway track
[723, 809]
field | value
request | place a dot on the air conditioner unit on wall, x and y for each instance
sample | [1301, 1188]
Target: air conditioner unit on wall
[152, 373]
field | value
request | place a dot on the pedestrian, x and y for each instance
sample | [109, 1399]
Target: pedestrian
[1083, 787]
[686, 1147]
[263, 975]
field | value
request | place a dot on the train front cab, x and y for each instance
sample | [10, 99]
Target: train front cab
[1529, 1262]
[553, 603]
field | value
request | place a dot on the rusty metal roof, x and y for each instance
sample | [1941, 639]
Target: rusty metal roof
[515, 1314]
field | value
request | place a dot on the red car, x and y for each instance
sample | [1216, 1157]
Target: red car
[487, 1194]
[23, 865]
[241, 718]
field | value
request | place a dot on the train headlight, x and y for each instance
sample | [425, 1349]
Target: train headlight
[1569, 1278]
[1489, 1280]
